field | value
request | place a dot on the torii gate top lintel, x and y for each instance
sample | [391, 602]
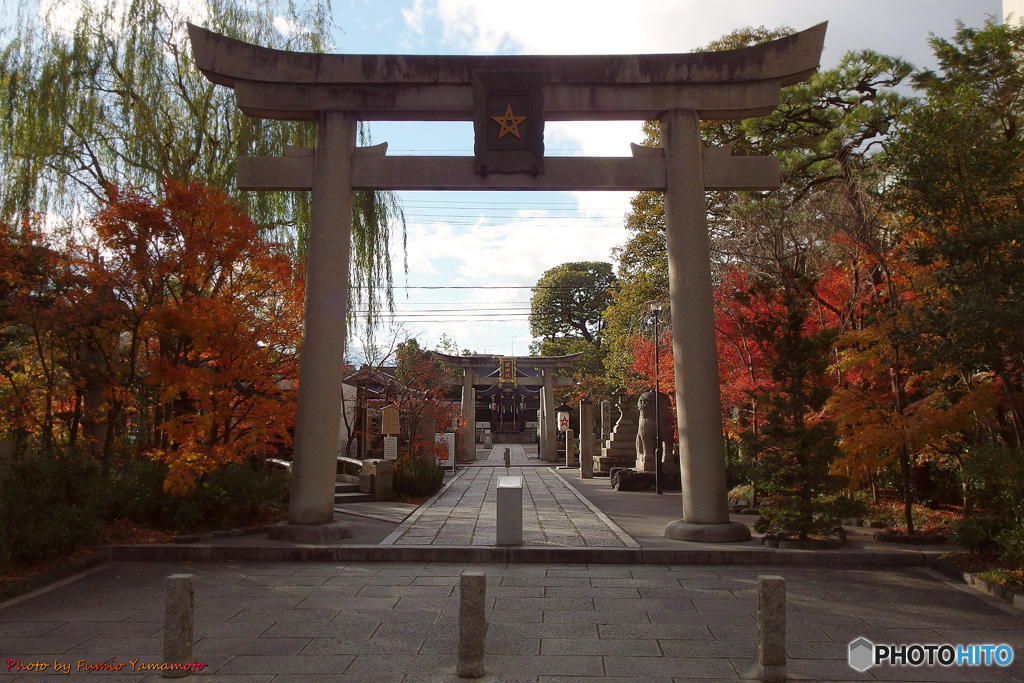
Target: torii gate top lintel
[274, 83]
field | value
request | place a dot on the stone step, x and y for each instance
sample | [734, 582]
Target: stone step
[604, 463]
[615, 458]
[346, 488]
[342, 498]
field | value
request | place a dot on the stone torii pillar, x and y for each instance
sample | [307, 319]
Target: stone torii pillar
[548, 447]
[469, 415]
[311, 502]
[698, 402]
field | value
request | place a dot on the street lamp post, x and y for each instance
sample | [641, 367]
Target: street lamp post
[656, 307]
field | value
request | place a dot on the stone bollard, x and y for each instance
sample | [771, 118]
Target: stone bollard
[509, 520]
[472, 624]
[570, 448]
[178, 624]
[771, 628]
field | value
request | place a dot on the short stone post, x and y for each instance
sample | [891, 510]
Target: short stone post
[178, 624]
[472, 624]
[771, 628]
[508, 459]
[384, 477]
[509, 520]
[570, 448]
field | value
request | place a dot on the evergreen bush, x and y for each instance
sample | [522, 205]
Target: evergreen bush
[417, 476]
[49, 504]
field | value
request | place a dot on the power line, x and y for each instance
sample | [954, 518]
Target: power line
[472, 214]
[538, 222]
[453, 303]
[486, 287]
[534, 202]
[515, 310]
[474, 314]
[463, 320]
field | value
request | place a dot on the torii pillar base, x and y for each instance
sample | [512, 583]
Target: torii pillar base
[730, 532]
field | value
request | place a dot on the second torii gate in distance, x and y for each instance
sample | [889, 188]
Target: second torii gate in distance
[546, 382]
[508, 99]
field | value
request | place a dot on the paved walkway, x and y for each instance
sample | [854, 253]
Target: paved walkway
[464, 513]
[295, 621]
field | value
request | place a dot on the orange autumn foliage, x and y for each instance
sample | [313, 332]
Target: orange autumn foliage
[215, 314]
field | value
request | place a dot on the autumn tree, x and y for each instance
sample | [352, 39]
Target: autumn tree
[212, 319]
[825, 132]
[958, 163]
[422, 394]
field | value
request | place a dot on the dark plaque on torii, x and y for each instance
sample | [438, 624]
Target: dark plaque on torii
[508, 122]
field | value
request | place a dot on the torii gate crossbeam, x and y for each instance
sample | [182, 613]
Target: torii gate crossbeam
[337, 91]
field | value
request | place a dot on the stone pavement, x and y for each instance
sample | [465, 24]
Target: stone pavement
[294, 621]
[464, 513]
[383, 510]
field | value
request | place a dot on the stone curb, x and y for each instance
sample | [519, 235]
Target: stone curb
[996, 590]
[223, 533]
[44, 579]
[517, 554]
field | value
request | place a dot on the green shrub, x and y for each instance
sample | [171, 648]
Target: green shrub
[995, 475]
[417, 476]
[49, 504]
[228, 497]
[136, 493]
[741, 491]
[1011, 546]
[979, 535]
[846, 507]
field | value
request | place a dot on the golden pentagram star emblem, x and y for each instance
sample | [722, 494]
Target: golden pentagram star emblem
[509, 123]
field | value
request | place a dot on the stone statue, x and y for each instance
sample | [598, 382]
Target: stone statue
[647, 433]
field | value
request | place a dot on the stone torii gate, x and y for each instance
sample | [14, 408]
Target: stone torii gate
[547, 382]
[508, 98]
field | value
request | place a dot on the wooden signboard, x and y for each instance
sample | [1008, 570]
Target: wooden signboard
[389, 420]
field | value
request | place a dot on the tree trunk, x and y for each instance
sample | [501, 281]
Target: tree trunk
[76, 419]
[113, 415]
[908, 497]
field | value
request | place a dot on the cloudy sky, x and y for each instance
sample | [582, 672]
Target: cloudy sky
[473, 256]
[474, 240]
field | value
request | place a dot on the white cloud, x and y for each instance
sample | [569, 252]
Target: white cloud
[61, 16]
[517, 252]
[286, 27]
[414, 16]
[570, 26]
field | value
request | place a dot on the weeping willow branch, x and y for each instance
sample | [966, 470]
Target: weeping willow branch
[115, 99]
